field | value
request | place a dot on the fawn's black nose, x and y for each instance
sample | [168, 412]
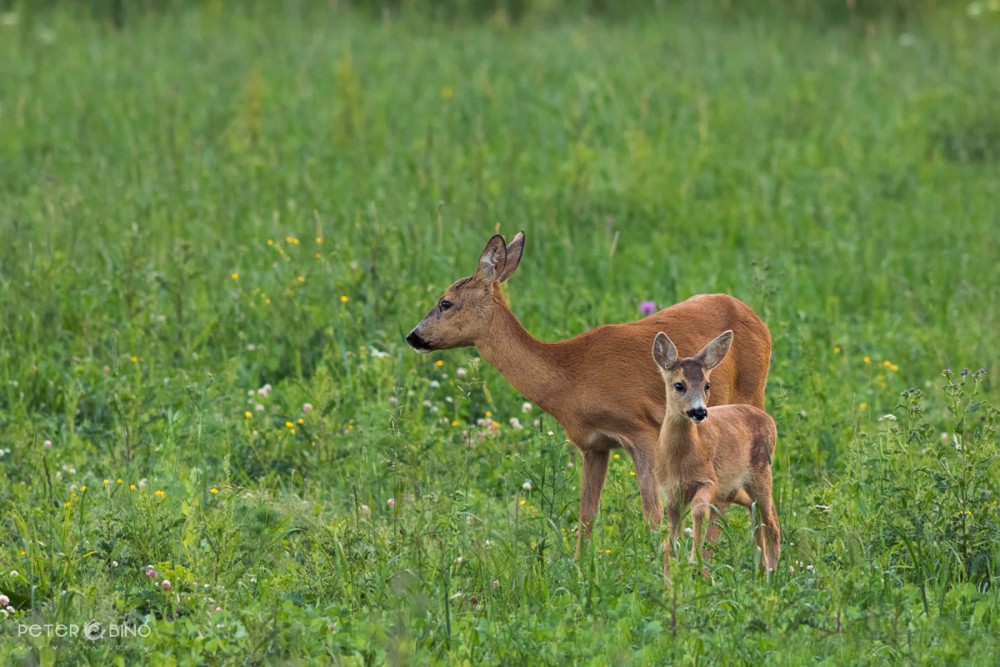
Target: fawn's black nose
[697, 414]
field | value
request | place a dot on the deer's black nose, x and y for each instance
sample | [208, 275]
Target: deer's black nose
[416, 341]
[697, 414]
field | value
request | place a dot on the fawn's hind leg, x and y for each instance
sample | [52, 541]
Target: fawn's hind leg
[767, 535]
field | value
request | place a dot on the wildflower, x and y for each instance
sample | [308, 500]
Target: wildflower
[607, 551]
[159, 494]
[647, 307]
[248, 414]
[863, 406]
[214, 491]
[350, 427]
[631, 473]
[617, 456]
[887, 418]
[289, 425]
[569, 464]
[120, 480]
[461, 373]
[307, 407]
[526, 486]
[257, 407]
[131, 487]
[496, 584]
[14, 574]
[4, 601]
[301, 279]
[868, 360]
[366, 511]
[390, 503]
[301, 421]
[523, 502]
[965, 371]
[152, 574]
[439, 363]
[83, 489]
[106, 482]
[68, 503]
[319, 239]
[378, 354]
[526, 407]
[488, 414]
[515, 422]
[343, 298]
[166, 585]
[458, 560]
[495, 424]
[270, 242]
[47, 444]
[435, 384]
[454, 424]
[265, 390]
[836, 349]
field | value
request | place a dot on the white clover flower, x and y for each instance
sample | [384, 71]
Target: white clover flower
[378, 354]
[526, 486]
[526, 407]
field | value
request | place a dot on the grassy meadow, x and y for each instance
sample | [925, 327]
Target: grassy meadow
[219, 220]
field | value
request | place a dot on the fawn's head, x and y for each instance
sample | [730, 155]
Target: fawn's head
[687, 379]
[462, 314]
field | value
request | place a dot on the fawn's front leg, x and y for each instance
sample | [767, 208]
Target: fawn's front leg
[674, 519]
[701, 511]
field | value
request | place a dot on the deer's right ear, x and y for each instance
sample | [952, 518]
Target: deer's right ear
[664, 351]
[514, 250]
[493, 260]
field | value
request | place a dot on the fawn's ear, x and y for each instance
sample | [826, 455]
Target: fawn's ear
[713, 353]
[514, 250]
[493, 260]
[664, 351]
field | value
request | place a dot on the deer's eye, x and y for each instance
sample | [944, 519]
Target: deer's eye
[445, 305]
[707, 387]
[679, 386]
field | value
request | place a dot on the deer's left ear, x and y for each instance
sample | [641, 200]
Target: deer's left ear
[514, 250]
[713, 353]
[493, 260]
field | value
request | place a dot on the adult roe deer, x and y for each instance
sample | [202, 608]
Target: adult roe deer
[598, 385]
[712, 455]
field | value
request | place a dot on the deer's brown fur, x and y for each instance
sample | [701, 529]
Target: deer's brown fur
[709, 456]
[598, 385]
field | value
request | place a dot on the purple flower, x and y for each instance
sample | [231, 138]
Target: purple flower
[647, 307]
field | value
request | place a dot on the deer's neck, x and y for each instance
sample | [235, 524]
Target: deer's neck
[527, 363]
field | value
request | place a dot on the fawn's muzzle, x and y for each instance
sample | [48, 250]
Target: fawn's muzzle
[697, 415]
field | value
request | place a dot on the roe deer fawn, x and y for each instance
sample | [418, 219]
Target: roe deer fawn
[709, 456]
[597, 384]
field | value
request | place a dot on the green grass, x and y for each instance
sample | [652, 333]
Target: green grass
[165, 180]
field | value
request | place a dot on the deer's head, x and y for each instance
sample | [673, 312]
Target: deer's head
[464, 311]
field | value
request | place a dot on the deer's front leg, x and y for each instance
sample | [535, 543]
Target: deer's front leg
[595, 471]
[645, 476]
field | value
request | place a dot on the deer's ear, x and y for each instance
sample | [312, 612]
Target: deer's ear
[514, 250]
[493, 260]
[713, 353]
[664, 351]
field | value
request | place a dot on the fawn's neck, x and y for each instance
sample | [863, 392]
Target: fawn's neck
[678, 434]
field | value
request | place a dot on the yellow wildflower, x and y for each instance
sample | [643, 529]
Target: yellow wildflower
[343, 298]
[83, 489]
[301, 279]
[235, 276]
[134, 359]
[868, 360]
[214, 491]
[836, 349]
[159, 494]
[248, 414]
[131, 487]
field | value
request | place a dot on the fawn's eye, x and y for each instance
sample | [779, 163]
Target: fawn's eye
[444, 305]
[707, 387]
[679, 386]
